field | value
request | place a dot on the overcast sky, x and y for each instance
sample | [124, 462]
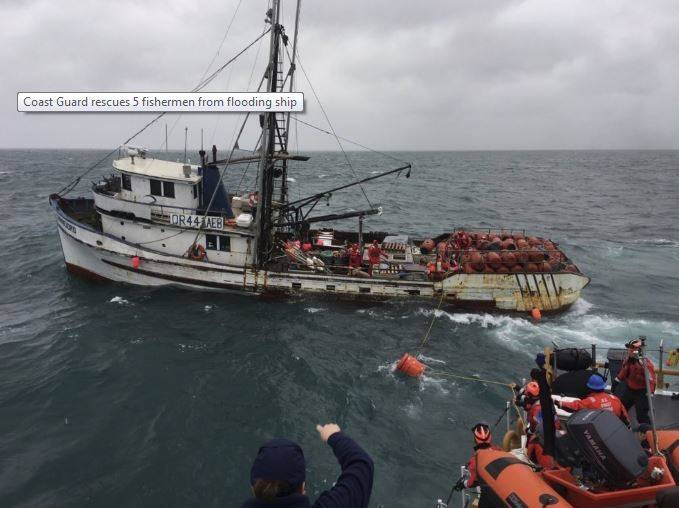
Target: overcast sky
[392, 74]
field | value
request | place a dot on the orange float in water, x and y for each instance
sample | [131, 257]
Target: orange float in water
[536, 314]
[410, 365]
[136, 262]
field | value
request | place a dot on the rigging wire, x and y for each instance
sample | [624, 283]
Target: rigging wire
[327, 119]
[69, 187]
[356, 143]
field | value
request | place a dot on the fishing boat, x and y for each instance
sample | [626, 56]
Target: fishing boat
[156, 222]
[599, 461]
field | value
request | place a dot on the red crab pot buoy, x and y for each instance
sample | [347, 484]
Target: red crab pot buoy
[494, 260]
[534, 241]
[518, 236]
[545, 267]
[536, 256]
[536, 314]
[427, 246]
[508, 258]
[476, 260]
[306, 247]
[531, 268]
[508, 244]
[503, 270]
[516, 269]
[136, 262]
[410, 365]
[504, 235]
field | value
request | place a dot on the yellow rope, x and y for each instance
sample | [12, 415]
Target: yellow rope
[433, 318]
[511, 386]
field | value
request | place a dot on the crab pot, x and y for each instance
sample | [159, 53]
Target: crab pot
[410, 365]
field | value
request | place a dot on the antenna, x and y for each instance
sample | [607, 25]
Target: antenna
[186, 137]
[167, 148]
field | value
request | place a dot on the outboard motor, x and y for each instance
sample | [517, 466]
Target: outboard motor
[607, 446]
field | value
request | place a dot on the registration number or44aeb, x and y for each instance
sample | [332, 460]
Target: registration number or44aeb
[196, 221]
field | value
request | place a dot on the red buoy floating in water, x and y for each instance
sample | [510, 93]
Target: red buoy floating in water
[410, 365]
[136, 262]
[537, 315]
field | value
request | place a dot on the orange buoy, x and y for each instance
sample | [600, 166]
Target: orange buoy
[536, 314]
[410, 365]
[136, 262]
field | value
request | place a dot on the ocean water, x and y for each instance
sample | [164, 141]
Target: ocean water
[120, 396]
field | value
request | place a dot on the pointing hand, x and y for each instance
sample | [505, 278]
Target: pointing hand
[327, 430]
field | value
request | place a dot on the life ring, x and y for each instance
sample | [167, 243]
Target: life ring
[253, 198]
[197, 252]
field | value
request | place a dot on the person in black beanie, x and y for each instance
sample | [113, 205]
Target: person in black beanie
[279, 470]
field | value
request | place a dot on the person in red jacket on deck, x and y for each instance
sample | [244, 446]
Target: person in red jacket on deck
[633, 391]
[598, 399]
[355, 258]
[482, 440]
[375, 255]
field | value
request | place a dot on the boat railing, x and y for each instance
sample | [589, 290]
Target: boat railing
[162, 210]
[660, 353]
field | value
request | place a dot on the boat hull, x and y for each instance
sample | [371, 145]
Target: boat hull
[98, 256]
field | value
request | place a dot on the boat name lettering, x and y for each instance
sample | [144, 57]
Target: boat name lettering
[68, 226]
[196, 221]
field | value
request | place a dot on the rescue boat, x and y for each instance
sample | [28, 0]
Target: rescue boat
[156, 222]
[598, 461]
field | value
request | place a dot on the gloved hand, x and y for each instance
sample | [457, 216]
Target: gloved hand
[459, 485]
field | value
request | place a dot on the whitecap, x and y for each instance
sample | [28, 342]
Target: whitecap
[290, 179]
[314, 310]
[119, 300]
[208, 308]
[580, 307]
[429, 359]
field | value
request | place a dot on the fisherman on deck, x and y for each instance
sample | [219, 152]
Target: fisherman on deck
[598, 399]
[278, 474]
[482, 440]
[355, 258]
[633, 391]
[375, 256]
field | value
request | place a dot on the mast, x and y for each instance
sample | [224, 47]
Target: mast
[268, 145]
[291, 74]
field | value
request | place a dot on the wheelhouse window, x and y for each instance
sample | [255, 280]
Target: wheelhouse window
[160, 188]
[195, 191]
[156, 189]
[126, 182]
[168, 189]
[218, 242]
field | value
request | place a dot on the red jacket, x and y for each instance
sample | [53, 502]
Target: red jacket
[599, 400]
[471, 466]
[633, 373]
[374, 254]
[355, 258]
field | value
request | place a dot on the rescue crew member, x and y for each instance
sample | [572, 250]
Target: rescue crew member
[598, 399]
[633, 391]
[482, 440]
[375, 255]
[529, 399]
[279, 470]
[355, 258]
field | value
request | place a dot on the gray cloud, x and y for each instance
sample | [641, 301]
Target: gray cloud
[392, 74]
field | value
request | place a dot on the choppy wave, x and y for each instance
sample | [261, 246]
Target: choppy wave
[657, 242]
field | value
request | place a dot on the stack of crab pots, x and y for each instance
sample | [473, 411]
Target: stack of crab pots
[501, 253]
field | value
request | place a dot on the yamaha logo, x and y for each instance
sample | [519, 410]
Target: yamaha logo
[597, 449]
